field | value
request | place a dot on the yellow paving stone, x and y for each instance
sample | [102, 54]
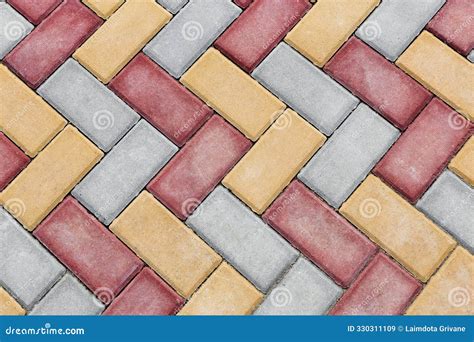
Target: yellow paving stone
[232, 93]
[8, 305]
[274, 160]
[321, 33]
[24, 116]
[463, 163]
[225, 292]
[49, 177]
[121, 37]
[103, 8]
[395, 225]
[451, 290]
[442, 70]
[166, 244]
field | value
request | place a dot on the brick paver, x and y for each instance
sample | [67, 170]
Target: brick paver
[68, 297]
[236, 157]
[304, 290]
[190, 33]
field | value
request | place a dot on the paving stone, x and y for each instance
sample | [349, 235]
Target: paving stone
[454, 24]
[258, 178]
[172, 6]
[124, 171]
[121, 37]
[190, 33]
[304, 290]
[103, 9]
[441, 70]
[470, 57]
[27, 270]
[218, 81]
[424, 150]
[395, 23]
[320, 233]
[147, 294]
[13, 161]
[165, 244]
[405, 233]
[321, 33]
[378, 82]
[463, 163]
[159, 98]
[305, 88]
[449, 291]
[24, 116]
[243, 3]
[50, 177]
[195, 170]
[34, 11]
[52, 42]
[95, 255]
[259, 29]
[13, 28]
[383, 288]
[449, 202]
[225, 292]
[240, 236]
[8, 305]
[349, 155]
[88, 104]
[68, 297]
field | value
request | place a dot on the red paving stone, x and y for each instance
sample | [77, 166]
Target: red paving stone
[243, 3]
[258, 30]
[147, 294]
[423, 151]
[199, 166]
[52, 42]
[454, 24]
[160, 99]
[34, 10]
[88, 249]
[320, 233]
[378, 82]
[383, 288]
[13, 160]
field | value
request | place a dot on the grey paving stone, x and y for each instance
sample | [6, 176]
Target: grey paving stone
[470, 57]
[348, 156]
[304, 290]
[88, 104]
[394, 24]
[179, 44]
[242, 238]
[27, 269]
[124, 171]
[68, 297]
[450, 203]
[13, 28]
[172, 6]
[308, 90]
